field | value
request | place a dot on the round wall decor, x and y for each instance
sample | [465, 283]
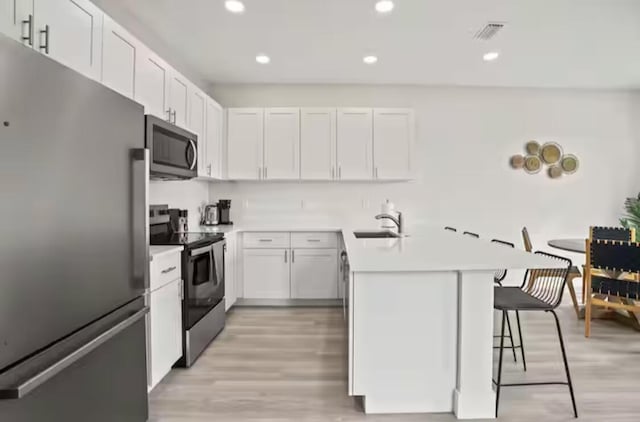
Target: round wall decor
[569, 163]
[555, 171]
[551, 153]
[532, 164]
[517, 161]
[532, 148]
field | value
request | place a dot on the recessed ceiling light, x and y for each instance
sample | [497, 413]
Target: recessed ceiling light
[384, 6]
[234, 6]
[490, 56]
[370, 59]
[262, 59]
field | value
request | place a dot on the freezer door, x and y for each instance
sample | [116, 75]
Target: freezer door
[98, 374]
[72, 201]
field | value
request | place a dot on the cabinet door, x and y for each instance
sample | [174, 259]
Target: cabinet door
[152, 81]
[197, 120]
[281, 143]
[119, 50]
[318, 143]
[15, 20]
[165, 320]
[178, 99]
[266, 274]
[230, 271]
[393, 132]
[70, 32]
[245, 134]
[355, 142]
[314, 274]
[214, 140]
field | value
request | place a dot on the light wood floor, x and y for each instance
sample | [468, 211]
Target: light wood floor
[289, 364]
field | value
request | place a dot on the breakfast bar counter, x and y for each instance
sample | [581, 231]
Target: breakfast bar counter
[421, 321]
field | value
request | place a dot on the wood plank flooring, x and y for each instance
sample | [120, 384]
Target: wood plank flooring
[289, 364]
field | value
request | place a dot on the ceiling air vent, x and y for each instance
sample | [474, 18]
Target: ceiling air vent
[489, 31]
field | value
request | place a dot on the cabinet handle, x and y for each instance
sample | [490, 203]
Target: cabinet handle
[46, 32]
[168, 270]
[339, 172]
[29, 23]
[265, 172]
[333, 172]
[266, 240]
[376, 172]
[209, 169]
[285, 256]
[169, 115]
[174, 116]
[293, 256]
[313, 240]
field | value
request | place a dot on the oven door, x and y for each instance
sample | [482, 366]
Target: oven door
[204, 286]
[173, 151]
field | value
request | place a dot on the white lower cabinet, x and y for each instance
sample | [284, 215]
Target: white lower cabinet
[230, 292]
[283, 265]
[266, 273]
[313, 274]
[165, 330]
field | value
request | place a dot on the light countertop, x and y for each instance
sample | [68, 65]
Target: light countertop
[157, 251]
[424, 249]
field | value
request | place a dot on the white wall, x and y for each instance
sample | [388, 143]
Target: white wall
[465, 137]
[187, 194]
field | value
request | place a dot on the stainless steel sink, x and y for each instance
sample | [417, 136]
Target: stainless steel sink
[384, 234]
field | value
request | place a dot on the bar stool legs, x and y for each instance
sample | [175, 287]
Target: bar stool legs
[524, 361]
[499, 384]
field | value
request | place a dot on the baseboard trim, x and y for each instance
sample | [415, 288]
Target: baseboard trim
[290, 302]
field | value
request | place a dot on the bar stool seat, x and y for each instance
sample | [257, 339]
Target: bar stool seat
[515, 299]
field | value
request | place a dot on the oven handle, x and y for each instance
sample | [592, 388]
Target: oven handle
[201, 251]
[195, 154]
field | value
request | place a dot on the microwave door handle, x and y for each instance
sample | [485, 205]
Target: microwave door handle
[195, 154]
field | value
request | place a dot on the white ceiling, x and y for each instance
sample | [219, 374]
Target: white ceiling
[546, 43]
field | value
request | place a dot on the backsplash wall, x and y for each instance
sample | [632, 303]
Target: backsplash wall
[186, 194]
[464, 138]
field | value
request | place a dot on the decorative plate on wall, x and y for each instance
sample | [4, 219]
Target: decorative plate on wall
[517, 161]
[532, 148]
[551, 153]
[569, 163]
[532, 164]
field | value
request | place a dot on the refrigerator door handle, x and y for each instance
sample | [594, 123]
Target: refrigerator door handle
[140, 217]
[23, 387]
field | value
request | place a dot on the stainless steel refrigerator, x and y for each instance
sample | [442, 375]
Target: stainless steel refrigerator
[73, 246]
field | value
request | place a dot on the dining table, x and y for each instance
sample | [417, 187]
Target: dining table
[580, 246]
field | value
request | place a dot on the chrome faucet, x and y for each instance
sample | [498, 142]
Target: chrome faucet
[397, 221]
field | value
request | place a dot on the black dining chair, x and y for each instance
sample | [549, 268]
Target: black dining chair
[476, 235]
[612, 233]
[541, 291]
[498, 277]
[451, 229]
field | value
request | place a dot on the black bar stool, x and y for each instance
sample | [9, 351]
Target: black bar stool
[541, 290]
[498, 277]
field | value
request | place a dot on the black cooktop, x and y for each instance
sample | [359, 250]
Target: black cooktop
[186, 239]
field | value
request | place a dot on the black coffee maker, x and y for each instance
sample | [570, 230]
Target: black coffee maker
[224, 211]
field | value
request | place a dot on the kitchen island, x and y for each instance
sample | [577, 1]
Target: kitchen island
[421, 321]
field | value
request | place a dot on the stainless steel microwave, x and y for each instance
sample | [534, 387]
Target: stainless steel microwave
[173, 151]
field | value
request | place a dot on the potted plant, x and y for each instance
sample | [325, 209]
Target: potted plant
[631, 218]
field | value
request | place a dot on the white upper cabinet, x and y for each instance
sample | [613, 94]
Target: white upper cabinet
[318, 143]
[16, 20]
[70, 32]
[119, 56]
[152, 83]
[281, 143]
[245, 136]
[197, 120]
[393, 134]
[355, 143]
[214, 140]
[178, 99]
[314, 274]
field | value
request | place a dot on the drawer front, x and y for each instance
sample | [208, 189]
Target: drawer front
[267, 240]
[314, 240]
[164, 269]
